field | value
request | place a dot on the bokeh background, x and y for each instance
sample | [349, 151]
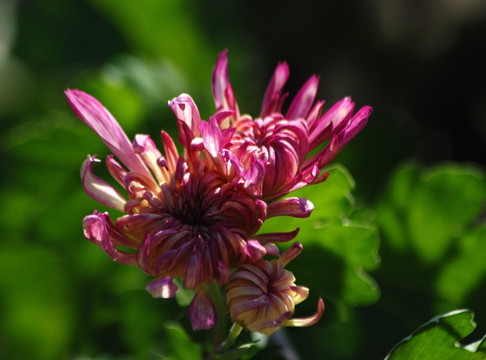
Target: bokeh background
[418, 166]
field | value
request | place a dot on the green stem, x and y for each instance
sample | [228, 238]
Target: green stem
[232, 336]
[219, 329]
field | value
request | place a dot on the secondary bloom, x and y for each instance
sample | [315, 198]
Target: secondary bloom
[278, 143]
[262, 296]
[182, 218]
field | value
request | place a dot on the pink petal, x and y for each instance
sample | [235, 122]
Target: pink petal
[303, 100]
[170, 149]
[92, 112]
[222, 91]
[202, 311]
[98, 188]
[212, 136]
[145, 147]
[274, 89]
[186, 110]
[331, 122]
[276, 236]
[96, 230]
[162, 287]
[254, 250]
[291, 253]
[294, 206]
[308, 321]
[356, 124]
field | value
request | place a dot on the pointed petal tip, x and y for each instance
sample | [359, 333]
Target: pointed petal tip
[308, 321]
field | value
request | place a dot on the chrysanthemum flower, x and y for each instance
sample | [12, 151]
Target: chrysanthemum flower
[182, 218]
[278, 143]
[262, 296]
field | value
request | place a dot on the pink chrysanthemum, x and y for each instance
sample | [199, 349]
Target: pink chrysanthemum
[262, 296]
[278, 144]
[183, 217]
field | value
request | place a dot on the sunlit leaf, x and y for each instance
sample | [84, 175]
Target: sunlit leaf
[342, 249]
[439, 339]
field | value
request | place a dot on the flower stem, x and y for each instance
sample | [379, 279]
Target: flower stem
[232, 336]
[220, 328]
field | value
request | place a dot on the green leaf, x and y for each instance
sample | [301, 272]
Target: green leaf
[438, 339]
[177, 344]
[344, 249]
[466, 270]
[446, 199]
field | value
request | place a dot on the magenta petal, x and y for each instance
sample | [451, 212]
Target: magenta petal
[294, 206]
[223, 93]
[96, 230]
[356, 124]
[220, 80]
[274, 89]
[254, 250]
[162, 288]
[94, 114]
[98, 188]
[277, 236]
[202, 312]
[304, 99]
[186, 110]
[291, 253]
[212, 136]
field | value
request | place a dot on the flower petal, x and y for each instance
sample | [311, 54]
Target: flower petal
[162, 287]
[98, 188]
[274, 89]
[300, 106]
[186, 110]
[356, 124]
[308, 321]
[254, 250]
[202, 311]
[294, 206]
[222, 91]
[94, 114]
[96, 230]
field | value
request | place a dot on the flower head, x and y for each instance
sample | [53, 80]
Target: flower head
[262, 296]
[182, 217]
[278, 144]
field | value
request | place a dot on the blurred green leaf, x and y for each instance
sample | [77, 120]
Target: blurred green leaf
[438, 339]
[177, 344]
[445, 200]
[344, 249]
[466, 269]
[37, 303]
[163, 28]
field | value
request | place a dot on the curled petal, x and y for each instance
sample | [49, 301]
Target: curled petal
[308, 321]
[294, 206]
[97, 230]
[254, 250]
[186, 110]
[202, 312]
[98, 188]
[162, 287]
[90, 110]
